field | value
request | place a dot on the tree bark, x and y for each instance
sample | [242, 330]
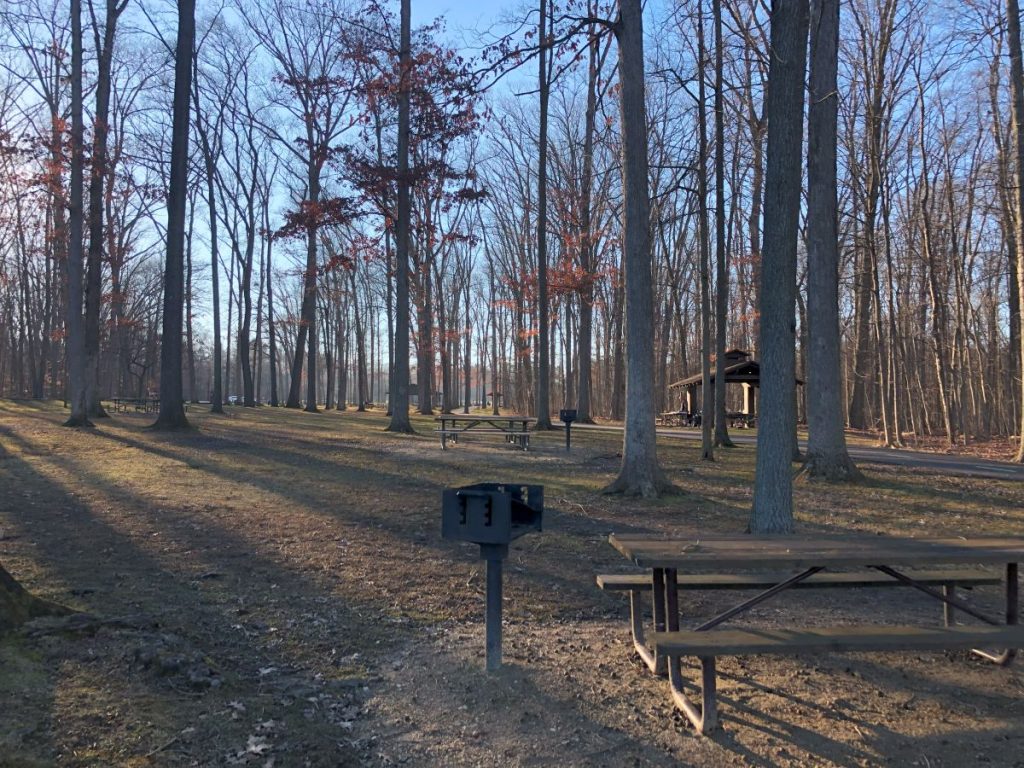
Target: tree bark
[17, 605]
[271, 329]
[773, 485]
[721, 267]
[707, 395]
[640, 474]
[543, 399]
[172, 404]
[827, 456]
[1017, 94]
[94, 259]
[584, 367]
[400, 390]
[76, 332]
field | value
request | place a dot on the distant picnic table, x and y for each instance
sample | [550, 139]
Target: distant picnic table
[740, 562]
[143, 404]
[687, 419]
[514, 429]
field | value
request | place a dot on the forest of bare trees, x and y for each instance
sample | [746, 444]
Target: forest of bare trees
[513, 183]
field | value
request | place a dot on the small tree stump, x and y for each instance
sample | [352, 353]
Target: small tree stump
[17, 605]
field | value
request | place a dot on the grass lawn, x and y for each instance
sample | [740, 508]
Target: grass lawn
[274, 591]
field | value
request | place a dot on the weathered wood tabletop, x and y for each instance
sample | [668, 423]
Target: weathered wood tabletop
[477, 418]
[745, 552]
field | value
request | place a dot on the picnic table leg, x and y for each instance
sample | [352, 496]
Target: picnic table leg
[658, 594]
[1012, 596]
[948, 617]
[705, 717]
[1006, 658]
[671, 600]
[636, 621]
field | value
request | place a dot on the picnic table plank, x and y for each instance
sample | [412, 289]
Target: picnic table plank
[701, 553]
[716, 581]
[737, 642]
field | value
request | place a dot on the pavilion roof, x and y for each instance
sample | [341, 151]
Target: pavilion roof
[748, 371]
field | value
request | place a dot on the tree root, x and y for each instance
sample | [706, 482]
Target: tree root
[18, 606]
[830, 469]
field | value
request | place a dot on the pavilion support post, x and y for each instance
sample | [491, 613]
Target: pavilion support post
[750, 407]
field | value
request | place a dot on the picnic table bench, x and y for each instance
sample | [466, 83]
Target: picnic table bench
[514, 429]
[814, 559]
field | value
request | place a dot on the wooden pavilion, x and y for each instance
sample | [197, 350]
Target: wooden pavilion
[740, 368]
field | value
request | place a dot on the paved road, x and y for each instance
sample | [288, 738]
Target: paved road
[937, 462]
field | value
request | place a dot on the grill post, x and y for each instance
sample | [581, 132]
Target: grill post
[493, 554]
[492, 515]
[568, 416]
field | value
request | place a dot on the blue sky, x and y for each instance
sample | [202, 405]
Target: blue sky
[459, 13]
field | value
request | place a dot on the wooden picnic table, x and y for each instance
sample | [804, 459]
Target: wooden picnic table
[144, 404]
[807, 558]
[675, 419]
[514, 429]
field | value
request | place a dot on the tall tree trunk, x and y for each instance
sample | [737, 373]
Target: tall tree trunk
[584, 397]
[245, 309]
[271, 329]
[190, 350]
[468, 353]
[773, 485]
[721, 268]
[94, 260]
[1017, 94]
[210, 167]
[543, 399]
[258, 340]
[172, 405]
[937, 297]
[827, 456]
[707, 395]
[493, 317]
[76, 332]
[360, 346]
[640, 474]
[425, 340]
[400, 390]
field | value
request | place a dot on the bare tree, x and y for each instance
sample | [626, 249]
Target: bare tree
[827, 457]
[721, 265]
[400, 396]
[94, 261]
[773, 484]
[309, 50]
[78, 391]
[172, 404]
[707, 405]
[640, 474]
[1017, 96]
[543, 399]
[587, 239]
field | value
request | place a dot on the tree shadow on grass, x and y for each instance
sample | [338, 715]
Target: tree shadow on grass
[166, 579]
[121, 577]
[873, 727]
[412, 531]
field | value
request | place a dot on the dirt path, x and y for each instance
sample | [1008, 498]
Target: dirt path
[948, 464]
[284, 599]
